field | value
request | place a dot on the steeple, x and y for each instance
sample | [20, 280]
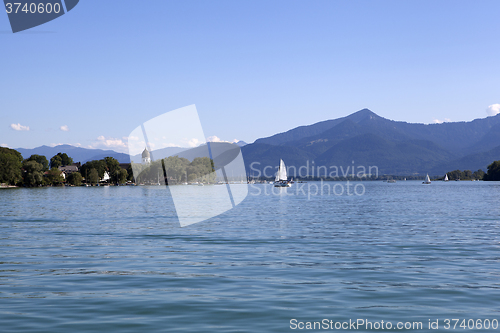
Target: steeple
[146, 157]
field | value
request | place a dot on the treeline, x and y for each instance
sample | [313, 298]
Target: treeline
[493, 173]
[465, 175]
[178, 170]
[38, 171]
[96, 169]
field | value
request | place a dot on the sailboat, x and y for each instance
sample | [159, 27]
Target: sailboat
[445, 178]
[281, 177]
[427, 180]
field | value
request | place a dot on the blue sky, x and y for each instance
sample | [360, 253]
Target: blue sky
[252, 68]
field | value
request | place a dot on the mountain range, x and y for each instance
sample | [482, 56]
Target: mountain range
[395, 147]
[84, 154]
[77, 153]
[360, 139]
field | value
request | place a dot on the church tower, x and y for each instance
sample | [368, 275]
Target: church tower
[146, 157]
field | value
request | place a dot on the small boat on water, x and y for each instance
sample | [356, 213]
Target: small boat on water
[281, 177]
[391, 180]
[427, 180]
[445, 178]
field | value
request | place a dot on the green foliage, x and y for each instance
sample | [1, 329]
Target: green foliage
[93, 176]
[33, 173]
[150, 173]
[119, 176]
[130, 172]
[479, 174]
[55, 162]
[112, 165]
[178, 170]
[10, 166]
[493, 172]
[75, 178]
[61, 159]
[201, 168]
[98, 165]
[40, 159]
[54, 177]
[465, 175]
[454, 175]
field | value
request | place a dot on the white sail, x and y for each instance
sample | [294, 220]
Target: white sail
[277, 179]
[446, 178]
[427, 179]
[282, 171]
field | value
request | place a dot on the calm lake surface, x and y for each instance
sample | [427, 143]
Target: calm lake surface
[115, 259]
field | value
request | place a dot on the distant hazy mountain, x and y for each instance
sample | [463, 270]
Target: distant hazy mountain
[159, 154]
[395, 147]
[241, 143]
[77, 153]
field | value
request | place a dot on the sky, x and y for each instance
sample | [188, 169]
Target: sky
[251, 68]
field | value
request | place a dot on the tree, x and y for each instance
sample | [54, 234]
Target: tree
[54, 177]
[10, 166]
[55, 162]
[33, 173]
[61, 159]
[493, 173]
[75, 178]
[479, 174]
[119, 176]
[130, 172]
[112, 166]
[453, 175]
[40, 159]
[467, 174]
[99, 166]
[93, 176]
[202, 168]
[175, 168]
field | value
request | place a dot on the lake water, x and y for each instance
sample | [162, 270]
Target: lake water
[115, 259]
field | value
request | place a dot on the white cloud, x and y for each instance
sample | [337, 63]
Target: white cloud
[170, 145]
[64, 128]
[56, 144]
[102, 141]
[194, 142]
[19, 127]
[437, 121]
[493, 109]
[215, 138]
[4, 145]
